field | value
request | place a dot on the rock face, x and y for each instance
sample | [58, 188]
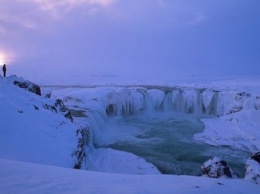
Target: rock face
[83, 135]
[253, 168]
[32, 87]
[217, 168]
[256, 157]
[59, 106]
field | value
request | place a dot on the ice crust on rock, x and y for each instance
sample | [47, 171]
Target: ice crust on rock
[253, 168]
[217, 168]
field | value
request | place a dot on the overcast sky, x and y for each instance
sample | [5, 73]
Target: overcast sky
[44, 39]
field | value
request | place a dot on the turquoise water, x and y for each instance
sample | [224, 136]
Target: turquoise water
[166, 141]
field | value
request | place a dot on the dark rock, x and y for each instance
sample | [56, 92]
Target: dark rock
[83, 135]
[48, 95]
[216, 168]
[256, 157]
[244, 94]
[28, 86]
[257, 103]
[69, 116]
[36, 107]
[49, 107]
[59, 104]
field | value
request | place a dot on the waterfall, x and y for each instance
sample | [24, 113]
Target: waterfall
[99, 104]
[189, 101]
[102, 103]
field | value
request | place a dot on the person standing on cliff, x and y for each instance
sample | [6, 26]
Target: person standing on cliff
[4, 70]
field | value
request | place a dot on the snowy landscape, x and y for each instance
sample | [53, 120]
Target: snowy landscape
[129, 96]
[48, 131]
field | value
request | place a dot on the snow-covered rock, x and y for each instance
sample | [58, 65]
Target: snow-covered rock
[253, 168]
[256, 157]
[31, 133]
[25, 84]
[217, 168]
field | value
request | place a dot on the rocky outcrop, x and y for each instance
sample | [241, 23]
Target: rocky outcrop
[256, 157]
[253, 168]
[27, 85]
[50, 107]
[69, 116]
[217, 168]
[83, 135]
[59, 107]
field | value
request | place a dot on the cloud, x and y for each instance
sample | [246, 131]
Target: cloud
[42, 14]
[50, 4]
[58, 8]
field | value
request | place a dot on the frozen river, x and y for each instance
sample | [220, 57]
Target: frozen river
[159, 123]
[166, 140]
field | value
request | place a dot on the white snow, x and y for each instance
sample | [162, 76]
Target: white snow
[252, 171]
[31, 135]
[19, 177]
[44, 137]
[108, 160]
[240, 130]
[34, 142]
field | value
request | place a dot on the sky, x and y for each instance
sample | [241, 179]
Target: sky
[50, 40]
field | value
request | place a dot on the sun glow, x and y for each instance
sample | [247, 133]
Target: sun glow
[2, 59]
[5, 58]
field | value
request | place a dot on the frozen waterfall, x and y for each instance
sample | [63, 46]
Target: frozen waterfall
[133, 100]
[112, 101]
[100, 103]
[97, 105]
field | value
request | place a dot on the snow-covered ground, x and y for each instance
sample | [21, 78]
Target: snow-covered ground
[18, 177]
[31, 132]
[41, 139]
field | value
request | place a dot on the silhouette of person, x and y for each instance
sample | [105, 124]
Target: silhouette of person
[4, 70]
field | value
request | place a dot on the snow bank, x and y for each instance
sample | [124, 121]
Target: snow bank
[240, 130]
[33, 130]
[18, 177]
[31, 133]
[109, 160]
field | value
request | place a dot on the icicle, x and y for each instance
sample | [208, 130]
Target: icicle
[207, 97]
[167, 102]
[156, 97]
[190, 97]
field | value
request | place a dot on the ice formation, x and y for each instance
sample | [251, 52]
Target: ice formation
[131, 100]
[229, 111]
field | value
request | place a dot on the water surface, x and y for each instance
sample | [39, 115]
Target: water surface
[166, 140]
